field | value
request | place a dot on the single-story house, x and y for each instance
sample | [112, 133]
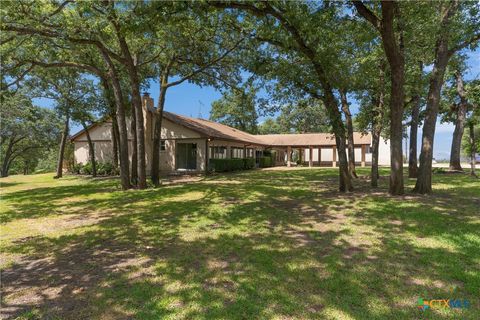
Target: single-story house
[189, 143]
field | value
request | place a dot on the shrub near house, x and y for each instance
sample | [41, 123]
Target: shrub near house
[103, 169]
[224, 165]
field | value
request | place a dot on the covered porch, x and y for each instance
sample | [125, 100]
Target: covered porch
[319, 156]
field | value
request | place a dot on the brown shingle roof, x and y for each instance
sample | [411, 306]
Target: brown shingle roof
[309, 139]
[212, 129]
[216, 130]
[221, 131]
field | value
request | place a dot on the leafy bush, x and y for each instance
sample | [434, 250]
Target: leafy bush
[105, 169]
[248, 163]
[86, 169]
[223, 165]
[265, 162]
[76, 168]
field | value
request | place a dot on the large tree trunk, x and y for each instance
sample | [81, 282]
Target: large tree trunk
[396, 130]
[412, 157]
[394, 51]
[140, 135]
[374, 169]
[133, 130]
[345, 182]
[473, 150]
[350, 142]
[459, 125]
[155, 170]
[396, 60]
[131, 64]
[91, 150]
[61, 151]
[121, 121]
[442, 55]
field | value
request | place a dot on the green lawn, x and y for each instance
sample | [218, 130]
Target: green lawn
[252, 245]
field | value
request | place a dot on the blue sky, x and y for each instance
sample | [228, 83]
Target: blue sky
[192, 100]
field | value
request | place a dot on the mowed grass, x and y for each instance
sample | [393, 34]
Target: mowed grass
[251, 245]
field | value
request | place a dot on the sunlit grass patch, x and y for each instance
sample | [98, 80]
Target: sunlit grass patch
[257, 244]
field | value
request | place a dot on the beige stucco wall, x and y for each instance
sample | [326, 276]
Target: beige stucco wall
[103, 151]
[81, 152]
[172, 133]
[384, 152]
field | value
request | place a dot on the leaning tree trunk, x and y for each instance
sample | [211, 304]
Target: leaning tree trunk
[121, 121]
[442, 55]
[155, 169]
[350, 142]
[132, 70]
[459, 126]
[412, 157]
[345, 182]
[91, 150]
[61, 152]
[473, 149]
[133, 130]
[424, 179]
[457, 139]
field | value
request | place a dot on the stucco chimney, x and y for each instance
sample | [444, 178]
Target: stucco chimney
[147, 101]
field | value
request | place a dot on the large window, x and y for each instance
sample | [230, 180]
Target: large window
[236, 152]
[218, 152]
[186, 156]
[249, 153]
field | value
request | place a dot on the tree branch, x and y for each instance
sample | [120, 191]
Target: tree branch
[53, 34]
[195, 72]
[67, 64]
[464, 44]
[367, 14]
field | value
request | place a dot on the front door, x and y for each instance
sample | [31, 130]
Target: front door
[186, 156]
[258, 154]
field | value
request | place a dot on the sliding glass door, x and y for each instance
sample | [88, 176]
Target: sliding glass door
[186, 156]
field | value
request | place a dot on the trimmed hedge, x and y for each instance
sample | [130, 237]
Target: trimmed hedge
[265, 162]
[224, 165]
[249, 163]
[268, 159]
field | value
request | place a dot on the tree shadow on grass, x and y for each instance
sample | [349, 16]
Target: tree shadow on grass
[256, 250]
